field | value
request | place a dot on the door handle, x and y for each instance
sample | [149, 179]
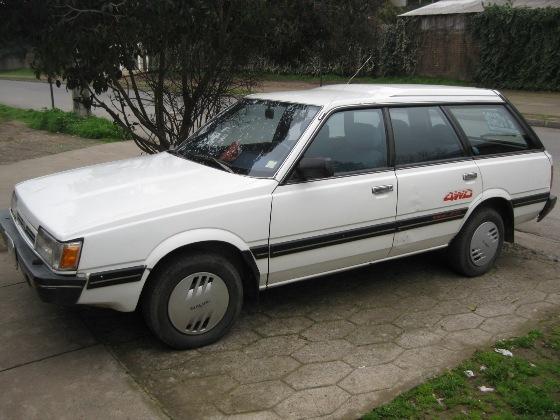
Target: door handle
[470, 176]
[382, 189]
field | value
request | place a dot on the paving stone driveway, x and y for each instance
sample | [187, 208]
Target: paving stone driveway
[339, 345]
[335, 346]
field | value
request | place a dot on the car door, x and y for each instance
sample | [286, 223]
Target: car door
[324, 224]
[436, 177]
[510, 159]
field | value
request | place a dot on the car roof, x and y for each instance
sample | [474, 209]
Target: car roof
[358, 94]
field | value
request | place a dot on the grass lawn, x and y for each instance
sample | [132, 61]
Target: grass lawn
[57, 121]
[26, 74]
[526, 385]
[331, 78]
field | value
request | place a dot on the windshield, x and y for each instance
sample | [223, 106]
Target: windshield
[253, 137]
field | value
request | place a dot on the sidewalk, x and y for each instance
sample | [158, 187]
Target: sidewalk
[51, 366]
[541, 109]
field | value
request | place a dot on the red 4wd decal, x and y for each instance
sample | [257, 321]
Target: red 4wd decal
[458, 195]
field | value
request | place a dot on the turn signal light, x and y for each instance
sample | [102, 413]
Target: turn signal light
[70, 256]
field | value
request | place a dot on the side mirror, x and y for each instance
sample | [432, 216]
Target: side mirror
[312, 168]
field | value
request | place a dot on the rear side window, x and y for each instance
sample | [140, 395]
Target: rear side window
[353, 140]
[423, 134]
[490, 129]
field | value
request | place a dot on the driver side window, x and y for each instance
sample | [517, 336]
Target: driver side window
[353, 141]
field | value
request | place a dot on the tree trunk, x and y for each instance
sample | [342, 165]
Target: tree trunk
[81, 102]
[52, 93]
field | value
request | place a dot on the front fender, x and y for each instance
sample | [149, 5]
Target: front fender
[191, 237]
[125, 297]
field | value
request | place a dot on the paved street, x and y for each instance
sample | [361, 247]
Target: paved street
[332, 347]
[545, 236]
[36, 95]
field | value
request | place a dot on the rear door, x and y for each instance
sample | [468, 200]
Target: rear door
[437, 178]
[511, 159]
[326, 224]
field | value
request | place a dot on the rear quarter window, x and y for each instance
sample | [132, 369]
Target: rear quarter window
[490, 129]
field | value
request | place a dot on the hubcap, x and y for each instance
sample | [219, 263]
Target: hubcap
[198, 303]
[484, 243]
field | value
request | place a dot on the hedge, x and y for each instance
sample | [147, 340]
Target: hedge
[519, 47]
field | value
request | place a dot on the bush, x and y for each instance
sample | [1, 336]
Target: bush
[57, 121]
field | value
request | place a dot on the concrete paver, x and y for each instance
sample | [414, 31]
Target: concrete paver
[318, 374]
[253, 397]
[324, 351]
[372, 378]
[373, 354]
[312, 402]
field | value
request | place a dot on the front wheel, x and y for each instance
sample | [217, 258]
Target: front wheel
[194, 300]
[475, 249]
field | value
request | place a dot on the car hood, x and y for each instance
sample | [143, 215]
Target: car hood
[73, 203]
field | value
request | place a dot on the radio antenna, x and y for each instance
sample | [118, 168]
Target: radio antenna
[355, 74]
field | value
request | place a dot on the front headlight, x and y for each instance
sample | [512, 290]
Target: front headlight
[59, 255]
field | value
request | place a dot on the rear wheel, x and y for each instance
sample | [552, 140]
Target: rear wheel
[478, 245]
[194, 300]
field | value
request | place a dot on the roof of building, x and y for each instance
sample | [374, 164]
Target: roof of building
[448, 7]
[338, 95]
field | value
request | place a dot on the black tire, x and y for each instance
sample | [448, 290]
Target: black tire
[156, 298]
[459, 251]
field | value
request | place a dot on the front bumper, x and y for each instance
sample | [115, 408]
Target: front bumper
[51, 287]
[548, 207]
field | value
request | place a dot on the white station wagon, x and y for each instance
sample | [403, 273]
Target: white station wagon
[282, 187]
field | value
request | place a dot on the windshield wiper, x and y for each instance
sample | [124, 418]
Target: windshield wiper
[209, 159]
[223, 165]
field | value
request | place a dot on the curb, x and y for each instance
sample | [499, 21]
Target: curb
[543, 123]
[23, 79]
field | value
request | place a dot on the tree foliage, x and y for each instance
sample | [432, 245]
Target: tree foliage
[519, 47]
[397, 48]
[195, 54]
[337, 37]
[328, 36]
[195, 51]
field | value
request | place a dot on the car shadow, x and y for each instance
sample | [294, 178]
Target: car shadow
[386, 279]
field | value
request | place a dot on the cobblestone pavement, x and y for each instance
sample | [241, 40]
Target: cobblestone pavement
[339, 345]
